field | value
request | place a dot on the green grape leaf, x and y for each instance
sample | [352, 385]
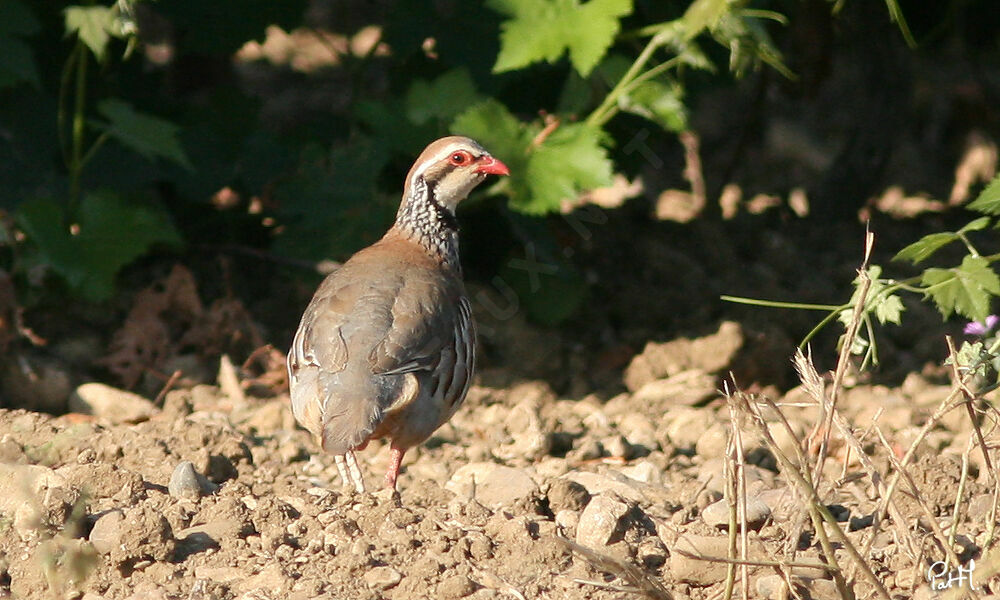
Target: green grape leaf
[112, 233]
[888, 308]
[923, 248]
[975, 357]
[499, 131]
[660, 103]
[442, 98]
[550, 292]
[569, 161]
[703, 14]
[976, 225]
[965, 290]
[988, 201]
[17, 18]
[18, 65]
[542, 30]
[150, 136]
[92, 25]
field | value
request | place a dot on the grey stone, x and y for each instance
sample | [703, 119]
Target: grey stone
[106, 534]
[565, 494]
[382, 578]
[491, 484]
[186, 482]
[717, 513]
[106, 402]
[601, 521]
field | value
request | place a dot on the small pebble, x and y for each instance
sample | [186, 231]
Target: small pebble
[601, 521]
[717, 514]
[185, 482]
[382, 578]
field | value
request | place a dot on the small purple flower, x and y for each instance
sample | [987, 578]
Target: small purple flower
[975, 328]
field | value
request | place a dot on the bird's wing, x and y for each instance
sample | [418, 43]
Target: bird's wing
[422, 317]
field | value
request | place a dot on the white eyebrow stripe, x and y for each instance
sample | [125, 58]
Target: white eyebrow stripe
[447, 150]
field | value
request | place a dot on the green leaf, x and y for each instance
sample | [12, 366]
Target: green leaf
[93, 26]
[499, 131]
[975, 357]
[923, 248]
[150, 136]
[571, 160]
[703, 14]
[660, 103]
[976, 225]
[18, 64]
[329, 191]
[112, 233]
[542, 30]
[16, 18]
[888, 308]
[550, 291]
[441, 99]
[988, 201]
[966, 290]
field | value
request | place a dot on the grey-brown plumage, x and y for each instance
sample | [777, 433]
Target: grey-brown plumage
[386, 348]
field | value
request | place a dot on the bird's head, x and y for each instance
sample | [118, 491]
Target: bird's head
[448, 169]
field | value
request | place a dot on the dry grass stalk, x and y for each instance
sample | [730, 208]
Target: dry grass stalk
[814, 387]
[799, 474]
[773, 564]
[829, 403]
[642, 583]
[956, 511]
[970, 398]
[918, 497]
[736, 494]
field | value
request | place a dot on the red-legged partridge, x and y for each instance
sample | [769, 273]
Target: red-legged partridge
[387, 346]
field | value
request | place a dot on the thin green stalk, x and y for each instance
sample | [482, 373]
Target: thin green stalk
[105, 136]
[968, 244]
[607, 109]
[76, 165]
[779, 304]
[653, 72]
[765, 14]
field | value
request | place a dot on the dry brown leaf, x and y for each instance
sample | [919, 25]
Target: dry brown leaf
[978, 164]
[265, 368]
[678, 205]
[144, 340]
[225, 328]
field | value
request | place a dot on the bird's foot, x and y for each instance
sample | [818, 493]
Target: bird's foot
[350, 472]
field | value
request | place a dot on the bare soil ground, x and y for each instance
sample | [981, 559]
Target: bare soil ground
[485, 508]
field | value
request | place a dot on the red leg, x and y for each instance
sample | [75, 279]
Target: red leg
[395, 458]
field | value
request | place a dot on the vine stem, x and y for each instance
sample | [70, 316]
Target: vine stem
[76, 157]
[606, 110]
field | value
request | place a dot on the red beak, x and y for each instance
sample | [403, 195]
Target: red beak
[491, 166]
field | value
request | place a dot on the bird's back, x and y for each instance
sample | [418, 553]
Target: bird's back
[370, 326]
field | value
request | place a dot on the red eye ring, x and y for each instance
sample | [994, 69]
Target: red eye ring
[460, 158]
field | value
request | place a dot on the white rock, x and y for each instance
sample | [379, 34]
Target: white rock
[717, 513]
[106, 402]
[601, 521]
[643, 471]
[382, 578]
[567, 519]
[106, 534]
[491, 484]
[617, 483]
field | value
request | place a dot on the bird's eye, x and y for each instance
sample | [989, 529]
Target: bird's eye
[460, 158]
